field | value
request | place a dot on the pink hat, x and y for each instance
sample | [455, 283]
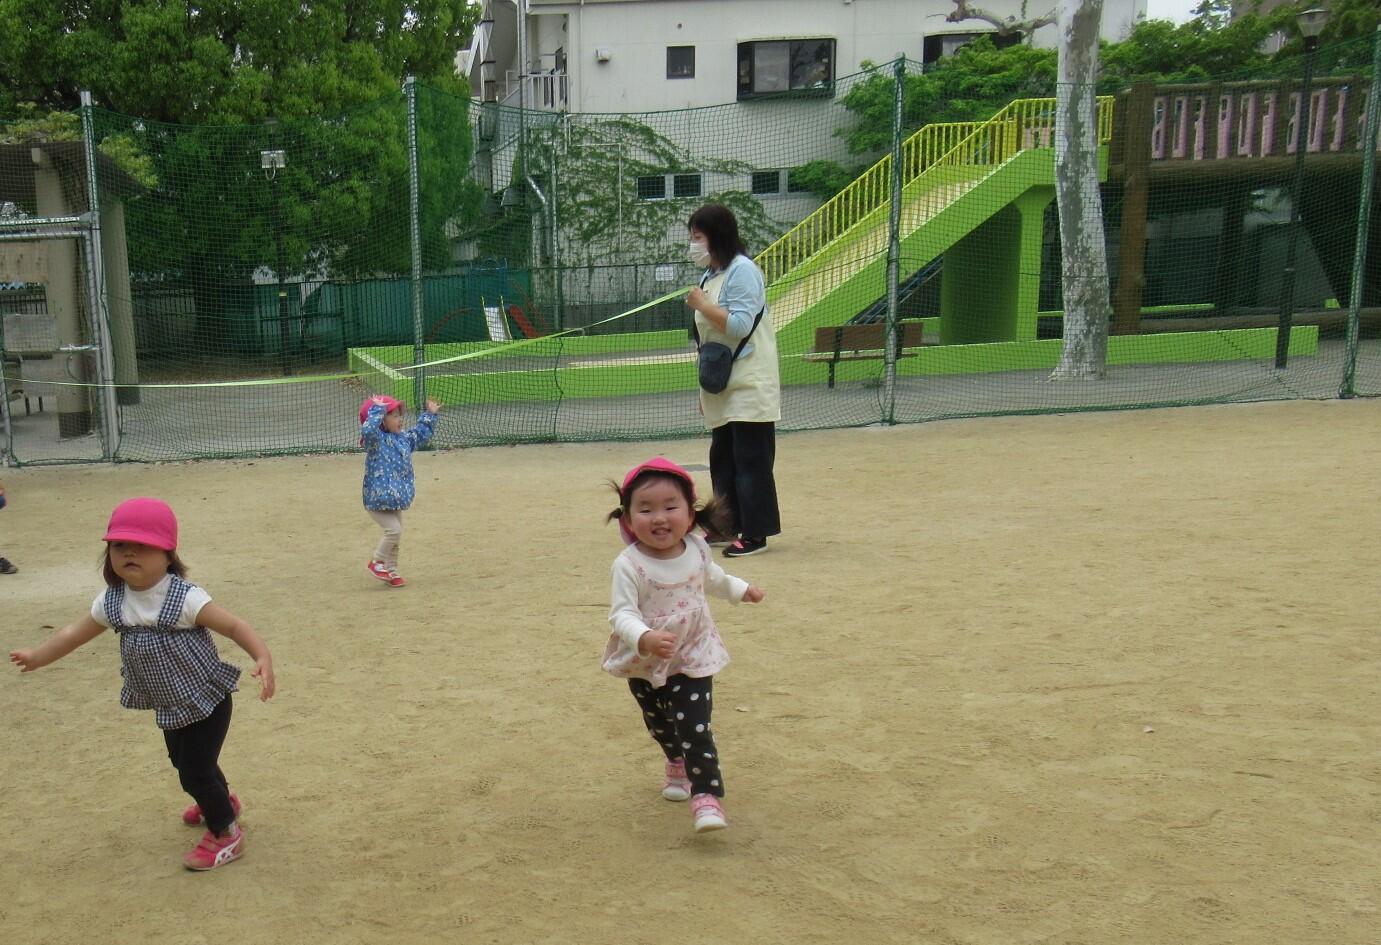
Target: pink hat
[658, 464]
[390, 405]
[147, 521]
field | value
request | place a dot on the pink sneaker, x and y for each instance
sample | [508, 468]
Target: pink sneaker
[708, 813]
[395, 579]
[214, 851]
[192, 815]
[378, 569]
[677, 786]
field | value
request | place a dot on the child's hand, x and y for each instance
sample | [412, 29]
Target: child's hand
[263, 671]
[658, 643]
[433, 406]
[24, 659]
[753, 595]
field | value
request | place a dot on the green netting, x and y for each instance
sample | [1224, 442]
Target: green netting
[254, 283]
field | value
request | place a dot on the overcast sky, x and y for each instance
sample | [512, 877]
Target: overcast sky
[1177, 10]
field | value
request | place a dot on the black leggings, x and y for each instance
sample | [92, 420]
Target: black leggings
[195, 751]
[677, 717]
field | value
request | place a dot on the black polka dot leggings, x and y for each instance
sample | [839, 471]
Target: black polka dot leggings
[678, 717]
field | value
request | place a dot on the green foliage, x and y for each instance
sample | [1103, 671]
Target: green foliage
[595, 166]
[225, 61]
[825, 178]
[972, 84]
[206, 78]
[1160, 51]
[35, 126]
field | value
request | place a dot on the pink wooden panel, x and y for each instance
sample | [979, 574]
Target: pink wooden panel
[1158, 117]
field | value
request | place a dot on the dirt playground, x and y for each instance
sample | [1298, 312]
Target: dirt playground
[1098, 679]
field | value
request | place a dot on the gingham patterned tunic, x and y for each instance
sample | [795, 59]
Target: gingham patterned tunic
[176, 672]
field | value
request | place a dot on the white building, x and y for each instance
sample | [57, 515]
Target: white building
[650, 55]
[762, 75]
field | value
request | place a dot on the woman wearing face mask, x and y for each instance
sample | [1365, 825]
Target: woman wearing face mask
[742, 418]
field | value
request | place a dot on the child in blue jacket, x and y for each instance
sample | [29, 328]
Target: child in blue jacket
[388, 484]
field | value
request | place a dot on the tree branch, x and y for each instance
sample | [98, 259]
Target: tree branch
[1005, 25]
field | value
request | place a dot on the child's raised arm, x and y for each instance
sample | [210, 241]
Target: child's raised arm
[214, 617]
[370, 428]
[422, 432]
[58, 645]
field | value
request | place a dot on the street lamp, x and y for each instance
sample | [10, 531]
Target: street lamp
[1311, 24]
[271, 161]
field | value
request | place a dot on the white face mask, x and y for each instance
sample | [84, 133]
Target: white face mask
[698, 253]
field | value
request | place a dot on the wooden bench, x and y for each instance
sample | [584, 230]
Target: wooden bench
[861, 343]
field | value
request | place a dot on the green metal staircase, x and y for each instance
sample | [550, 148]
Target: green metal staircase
[955, 177]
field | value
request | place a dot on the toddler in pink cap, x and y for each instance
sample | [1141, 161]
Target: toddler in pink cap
[664, 641]
[169, 663]
[388, 482]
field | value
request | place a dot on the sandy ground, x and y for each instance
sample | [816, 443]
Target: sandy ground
[1103, 678]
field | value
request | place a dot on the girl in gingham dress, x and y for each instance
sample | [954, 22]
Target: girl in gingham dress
[169, 663]
[664, 641]
[388, 481]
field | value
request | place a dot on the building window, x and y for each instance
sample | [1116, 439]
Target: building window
[767, 183]
[935, 48]
[680, 62]
[774, 67]
[652, 188]
[661, 186]
[686, 185]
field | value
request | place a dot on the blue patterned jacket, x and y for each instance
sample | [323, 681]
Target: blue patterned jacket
[388, 485]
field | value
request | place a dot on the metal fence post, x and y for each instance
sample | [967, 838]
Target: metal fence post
[1359, 253]
[889, 384]
[95, 269]
[419, 348]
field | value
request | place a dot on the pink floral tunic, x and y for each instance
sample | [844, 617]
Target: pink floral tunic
[676, 605]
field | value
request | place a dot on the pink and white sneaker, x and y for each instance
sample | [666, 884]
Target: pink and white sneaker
[192, 815]
[214, 851]
[708, 813]
[395, 579]
[379, 570]
[677, 786]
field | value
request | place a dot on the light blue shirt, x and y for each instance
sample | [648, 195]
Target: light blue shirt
[744, 294]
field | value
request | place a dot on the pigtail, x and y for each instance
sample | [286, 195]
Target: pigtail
[617, 514]
[715, 517]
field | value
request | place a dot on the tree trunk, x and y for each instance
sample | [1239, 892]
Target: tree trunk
[1084, 268]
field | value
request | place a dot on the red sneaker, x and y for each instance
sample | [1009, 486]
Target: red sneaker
[378, 569]
[192, 815]
[214, 851]
[395, 579]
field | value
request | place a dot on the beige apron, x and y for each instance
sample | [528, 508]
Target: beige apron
[754, 394]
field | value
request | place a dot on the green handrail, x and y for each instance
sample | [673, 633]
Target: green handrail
[1025, 123]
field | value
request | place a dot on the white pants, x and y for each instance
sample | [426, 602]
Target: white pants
[387, 549]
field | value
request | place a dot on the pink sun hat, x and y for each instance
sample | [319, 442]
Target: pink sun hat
[147, 521]
[390, 405]
[659, 464]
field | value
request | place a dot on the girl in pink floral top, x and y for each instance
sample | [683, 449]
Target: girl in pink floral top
[664, 641]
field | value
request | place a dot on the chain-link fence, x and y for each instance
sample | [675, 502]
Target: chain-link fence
[238, 290]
